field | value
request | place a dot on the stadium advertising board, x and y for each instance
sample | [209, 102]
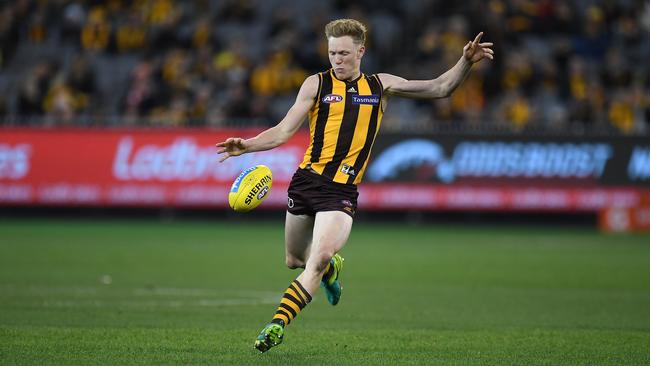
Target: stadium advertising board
[508, 172]
[518, 161]
[439, 172]
[131, 167]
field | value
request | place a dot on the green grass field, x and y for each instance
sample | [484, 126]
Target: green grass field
[144, 292]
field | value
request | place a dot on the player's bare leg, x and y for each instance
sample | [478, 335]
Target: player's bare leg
[331, 232]
[297, 239]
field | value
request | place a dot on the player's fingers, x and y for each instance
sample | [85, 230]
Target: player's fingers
[478, 38]
[486, 44]
[224, 158]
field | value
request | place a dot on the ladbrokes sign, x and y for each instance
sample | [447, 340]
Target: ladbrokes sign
[130, 167]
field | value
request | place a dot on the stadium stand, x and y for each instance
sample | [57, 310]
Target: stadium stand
[560, 66]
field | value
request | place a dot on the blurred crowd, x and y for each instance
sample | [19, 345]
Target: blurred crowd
[579, 65]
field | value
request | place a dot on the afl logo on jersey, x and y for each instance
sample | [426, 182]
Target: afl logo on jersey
[332, 98]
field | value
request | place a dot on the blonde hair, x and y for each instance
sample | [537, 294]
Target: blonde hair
[347, 27]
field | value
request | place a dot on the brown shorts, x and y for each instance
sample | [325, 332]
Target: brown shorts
[310, 193]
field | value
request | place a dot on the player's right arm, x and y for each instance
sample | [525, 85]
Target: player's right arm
[278, 134]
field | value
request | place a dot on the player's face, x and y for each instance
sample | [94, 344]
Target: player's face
[345, 57]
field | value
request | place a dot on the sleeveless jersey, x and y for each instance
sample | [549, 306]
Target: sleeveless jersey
[343, 124]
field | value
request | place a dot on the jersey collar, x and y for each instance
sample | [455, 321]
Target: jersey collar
[345, 81]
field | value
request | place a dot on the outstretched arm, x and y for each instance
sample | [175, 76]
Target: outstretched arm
[278, 134]
[446, 83]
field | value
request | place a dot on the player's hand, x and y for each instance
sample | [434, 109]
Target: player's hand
[233, 146]
[475, 51]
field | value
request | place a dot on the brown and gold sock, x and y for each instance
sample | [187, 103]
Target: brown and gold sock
[329, 272]
[294, 300]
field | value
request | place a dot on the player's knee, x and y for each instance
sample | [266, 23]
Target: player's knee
[294, 262]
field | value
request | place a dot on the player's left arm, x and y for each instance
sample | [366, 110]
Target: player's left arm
[446, 83]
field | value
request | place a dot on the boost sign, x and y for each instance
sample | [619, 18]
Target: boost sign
[515, 161]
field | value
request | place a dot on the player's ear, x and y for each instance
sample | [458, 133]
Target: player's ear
[361, 51]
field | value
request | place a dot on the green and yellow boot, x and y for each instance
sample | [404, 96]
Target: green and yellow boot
[269, 337]
[331, 283]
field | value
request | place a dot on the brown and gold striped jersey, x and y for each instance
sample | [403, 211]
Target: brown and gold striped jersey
[343, 124]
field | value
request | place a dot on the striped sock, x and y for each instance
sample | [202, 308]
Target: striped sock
[295, 299]
[329, 272]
